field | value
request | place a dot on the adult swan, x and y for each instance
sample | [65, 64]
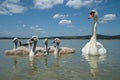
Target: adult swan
[93, 47]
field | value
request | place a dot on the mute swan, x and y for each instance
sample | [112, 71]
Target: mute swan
[37, 51]
[46, 49]
[17, 50]
[49, 49]
[93, 47]
[29, 43]
[15, 41]
[41, 50]
[62, 50]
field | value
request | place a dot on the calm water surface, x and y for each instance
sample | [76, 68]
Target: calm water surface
[63, 67]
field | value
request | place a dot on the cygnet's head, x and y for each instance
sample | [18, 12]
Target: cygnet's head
[57, 41]
[46, 40]
[34, 38]
[15, 40]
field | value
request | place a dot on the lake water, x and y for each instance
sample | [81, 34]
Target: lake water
[63, 67]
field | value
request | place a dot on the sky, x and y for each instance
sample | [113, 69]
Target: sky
[47, 18]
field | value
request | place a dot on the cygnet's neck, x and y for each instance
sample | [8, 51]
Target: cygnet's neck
[32, 52]
[15, 45]
[56, 49]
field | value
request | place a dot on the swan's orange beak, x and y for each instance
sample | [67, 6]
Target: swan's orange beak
[91, 15]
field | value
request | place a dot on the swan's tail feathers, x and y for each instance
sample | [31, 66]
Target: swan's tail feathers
[101, 49]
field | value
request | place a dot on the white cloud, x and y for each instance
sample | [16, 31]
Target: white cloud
[64, 21]
[107, 17]
[24, 25]
[59, 16]
[37, 29]
[10, 33]
[13, 1]
[62, 17]
[80, 3]
[74, 3]
[46, 4]
[11, 7]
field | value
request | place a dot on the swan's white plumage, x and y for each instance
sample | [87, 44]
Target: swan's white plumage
[101, 50]
[93, 47]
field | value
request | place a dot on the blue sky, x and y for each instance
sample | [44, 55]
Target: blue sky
[45, 18]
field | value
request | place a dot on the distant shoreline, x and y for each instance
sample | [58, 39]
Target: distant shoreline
[72, 37]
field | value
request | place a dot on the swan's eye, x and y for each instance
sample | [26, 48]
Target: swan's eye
[92, 13]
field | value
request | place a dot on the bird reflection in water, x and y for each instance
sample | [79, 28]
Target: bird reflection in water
[45, 60]
[57, 57]
[15, 62]
[33, 64]
[93, 62]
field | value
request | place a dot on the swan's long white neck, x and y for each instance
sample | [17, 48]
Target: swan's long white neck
[93, 44]
[94, 27]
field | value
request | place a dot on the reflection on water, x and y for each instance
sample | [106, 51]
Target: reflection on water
[57, 64]
[93, 62]
[62, 67]
[33, 64]
[33, 61]
[15, 62]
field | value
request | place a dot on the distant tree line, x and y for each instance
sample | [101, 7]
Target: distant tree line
[73, 37]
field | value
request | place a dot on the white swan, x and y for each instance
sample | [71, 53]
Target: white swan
[17, 50]
[62, 50]
[93, 47]
[37, 51]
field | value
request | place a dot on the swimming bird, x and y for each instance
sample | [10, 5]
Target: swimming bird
[93, 47]
[42, 50]
[17, 50]
[62, 50]
[15, 41]
[29, 43]
[37, 51]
